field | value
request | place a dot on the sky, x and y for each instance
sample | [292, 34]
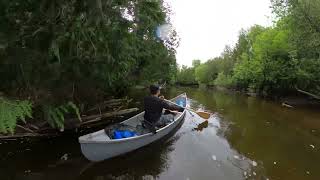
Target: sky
[207, 26]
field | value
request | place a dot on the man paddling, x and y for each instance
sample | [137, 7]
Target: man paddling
[153, 107]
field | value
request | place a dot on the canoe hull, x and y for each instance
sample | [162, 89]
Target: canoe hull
[98, 146]
[103, 151]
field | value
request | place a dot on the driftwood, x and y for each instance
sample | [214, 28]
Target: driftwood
[25, 128]
[109, 104]
[104, 106]
[86, 120]
[110, 114]
[34, 126]
[309, 94]
[286, 105]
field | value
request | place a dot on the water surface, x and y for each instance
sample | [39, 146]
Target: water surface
[246, 138]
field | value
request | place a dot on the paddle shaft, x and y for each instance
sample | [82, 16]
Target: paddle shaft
[204, 115]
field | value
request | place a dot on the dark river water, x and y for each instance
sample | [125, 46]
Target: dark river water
[246, 138]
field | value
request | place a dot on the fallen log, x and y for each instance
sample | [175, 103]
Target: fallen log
[34, 126]
[109, 104]
[25, 128]
[309, 94]
[113, 104]
[110, 114]
[104, 106]
[75, 123]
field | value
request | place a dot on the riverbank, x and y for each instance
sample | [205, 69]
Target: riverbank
[293, 99]
[103, 113]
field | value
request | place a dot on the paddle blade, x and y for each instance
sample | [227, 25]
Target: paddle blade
[204, 115]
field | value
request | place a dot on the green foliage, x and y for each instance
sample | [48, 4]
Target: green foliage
[58, 51]
[50, 44]
[201, 74]
[186, 76]
[206, 73]
[224, 80]
[302, 17]
[308, 75]
[56, 115]
[273, 60]
[270, 67]
[12, 111]
[247, 73]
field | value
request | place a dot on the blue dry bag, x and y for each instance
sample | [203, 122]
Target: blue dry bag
[127, 134]
[123, 134]
[117, 135]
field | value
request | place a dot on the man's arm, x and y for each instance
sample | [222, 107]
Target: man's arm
[172, 107]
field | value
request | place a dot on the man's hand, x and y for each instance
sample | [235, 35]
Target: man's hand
[175, 112]
[161, 97]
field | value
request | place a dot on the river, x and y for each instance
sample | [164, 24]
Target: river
[246, 138]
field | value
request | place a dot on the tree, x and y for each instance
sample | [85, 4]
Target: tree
[270, 68]
[56, 52]
[302, 19]
[185, 76]
[208, 71]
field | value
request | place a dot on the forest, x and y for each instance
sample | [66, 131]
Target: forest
[269, 61]
[60, 58]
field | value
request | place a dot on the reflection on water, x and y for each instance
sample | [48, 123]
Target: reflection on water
[201, 126]
[245, 138]
[285, 142]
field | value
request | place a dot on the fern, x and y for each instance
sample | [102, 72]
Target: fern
[12, 111]
[56, 115]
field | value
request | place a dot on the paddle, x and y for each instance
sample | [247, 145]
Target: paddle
[202, 114]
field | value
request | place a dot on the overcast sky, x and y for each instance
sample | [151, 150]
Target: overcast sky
[207, 26]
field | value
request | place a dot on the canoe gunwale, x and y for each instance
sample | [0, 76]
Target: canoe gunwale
[84, 139]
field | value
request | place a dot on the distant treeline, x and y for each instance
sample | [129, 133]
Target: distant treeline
[269, 60]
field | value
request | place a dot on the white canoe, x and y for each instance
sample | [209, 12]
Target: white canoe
[99, 146]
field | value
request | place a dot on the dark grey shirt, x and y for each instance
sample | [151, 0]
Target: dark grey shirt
[153, 107]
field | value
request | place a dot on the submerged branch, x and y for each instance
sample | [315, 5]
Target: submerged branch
[309, 94]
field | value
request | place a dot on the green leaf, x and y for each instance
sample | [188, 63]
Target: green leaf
[11, 112]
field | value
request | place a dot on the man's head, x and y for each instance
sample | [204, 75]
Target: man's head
[155, 90]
